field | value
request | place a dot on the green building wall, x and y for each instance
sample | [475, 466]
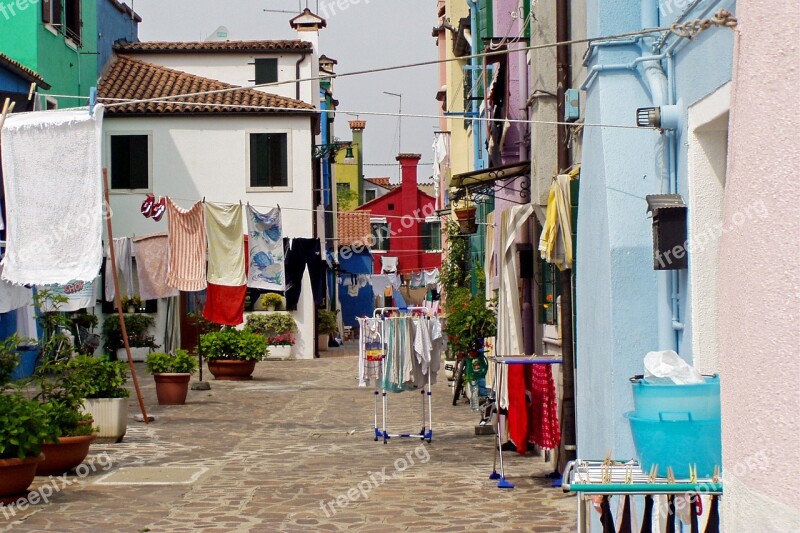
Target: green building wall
[70, 71]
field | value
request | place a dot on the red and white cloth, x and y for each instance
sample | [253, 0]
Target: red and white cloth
[187, 247]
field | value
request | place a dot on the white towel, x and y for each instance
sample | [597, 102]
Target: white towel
[54, 206]
[123, 254]
[13, 296]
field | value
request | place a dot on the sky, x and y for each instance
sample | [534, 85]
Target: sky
[364, 34]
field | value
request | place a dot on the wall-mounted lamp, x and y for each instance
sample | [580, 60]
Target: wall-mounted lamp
[349, 158]
[663, 118]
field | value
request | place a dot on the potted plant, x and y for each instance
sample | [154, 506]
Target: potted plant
[171, 374]
[326, 326]
[465, 210]
[232, 354]
[140, 340]
[278, 329]
[24, 426]
[272, 301]
[58, 389]
[105, 397]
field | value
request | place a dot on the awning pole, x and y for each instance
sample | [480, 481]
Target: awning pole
[117, 299]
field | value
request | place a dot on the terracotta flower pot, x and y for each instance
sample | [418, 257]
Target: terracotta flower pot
[16, 475]
[172, 389]
[64, 456]
[231, 369]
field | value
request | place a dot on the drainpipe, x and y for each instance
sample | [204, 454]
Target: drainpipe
[661, 95]
[474, 108]
[297, 73]
[567, 451]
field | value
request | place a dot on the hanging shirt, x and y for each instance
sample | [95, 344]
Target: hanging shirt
[417, 280]
[380, 282]
[13, 296]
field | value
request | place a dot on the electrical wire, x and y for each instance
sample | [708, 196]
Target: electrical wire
[637, 33]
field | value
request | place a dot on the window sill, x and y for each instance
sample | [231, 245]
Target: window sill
[52, 29]
[433, 251]
[270, 189]
[72, 44]
[130, 191]
[379, 251]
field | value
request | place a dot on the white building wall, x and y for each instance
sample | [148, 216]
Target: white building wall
[237, 69]
[206, 157]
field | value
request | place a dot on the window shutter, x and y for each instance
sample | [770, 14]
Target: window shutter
[47, 11]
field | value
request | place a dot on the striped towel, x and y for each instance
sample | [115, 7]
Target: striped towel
[187, 247]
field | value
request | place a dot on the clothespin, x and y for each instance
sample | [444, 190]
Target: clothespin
[31, 91]
[628, 475]
[92, 100]
[653, 474]
[693, 473]
[670, 475]
[8, 107]
[717, 475]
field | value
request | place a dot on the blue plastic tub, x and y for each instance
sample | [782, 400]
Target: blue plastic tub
[700, 401]
[677, 441]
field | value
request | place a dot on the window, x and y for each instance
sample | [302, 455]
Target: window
[72, 20]
[432, 235]
[266, 71]
[51, 12]
[380, 234]
[369, 195]
[130, 162]
[269, 160]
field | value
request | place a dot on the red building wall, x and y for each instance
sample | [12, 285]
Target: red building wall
[405, 209]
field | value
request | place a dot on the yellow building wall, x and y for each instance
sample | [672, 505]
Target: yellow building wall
[347, 173]
[460, 139]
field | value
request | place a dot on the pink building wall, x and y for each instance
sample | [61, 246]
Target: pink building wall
[759, 282]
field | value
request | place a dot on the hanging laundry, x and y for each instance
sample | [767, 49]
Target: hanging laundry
[224, 230]
[370, 352]
[606, 520]
[555, 243]
[431, 276]
[545, 430]
[53, 192]
[395, 280]
[647, 521]
[626, 520]
[225, 304]
[304, 253]
[518, 381]
[399, 301]
[266, 251]
[712, 524]
[123, 254]
[428, 344]
[389, 264]
[418, 280]
[152, 261]
[13, 296]
[187, 247]
[379, 282]
[79, 294]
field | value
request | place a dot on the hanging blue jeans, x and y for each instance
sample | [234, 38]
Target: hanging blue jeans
[304, 252]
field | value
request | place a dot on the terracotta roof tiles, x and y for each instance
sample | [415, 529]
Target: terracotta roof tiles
[354, 227]
[200, 47]
[132, 79]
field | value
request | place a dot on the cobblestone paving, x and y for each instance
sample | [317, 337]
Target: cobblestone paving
[293, 451]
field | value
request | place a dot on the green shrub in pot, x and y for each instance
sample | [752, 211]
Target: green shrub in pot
[24, 426]
[230, 343]
[179, 363]
[98, 378]
[270, 325]
[327, 322]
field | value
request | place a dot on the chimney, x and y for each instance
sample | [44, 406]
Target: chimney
[357, 127]
[409, 205]
[307, 26]
[408, 165]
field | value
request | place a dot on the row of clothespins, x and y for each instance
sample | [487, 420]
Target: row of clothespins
[606, 473]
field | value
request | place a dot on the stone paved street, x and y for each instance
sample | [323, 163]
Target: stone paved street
[267, 455]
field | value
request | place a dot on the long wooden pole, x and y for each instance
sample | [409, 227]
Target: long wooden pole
[118, 300]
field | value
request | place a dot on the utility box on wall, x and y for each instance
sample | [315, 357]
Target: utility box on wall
[669, 231]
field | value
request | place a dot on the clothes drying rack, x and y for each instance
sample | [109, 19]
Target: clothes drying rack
[609, 478]
[498, 361]
[426, 433]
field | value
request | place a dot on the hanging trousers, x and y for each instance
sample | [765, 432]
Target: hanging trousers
[304, 252]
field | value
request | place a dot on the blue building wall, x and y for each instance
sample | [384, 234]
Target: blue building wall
[363, 304]
[11, 83]
[112, 25]
[616, 289]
